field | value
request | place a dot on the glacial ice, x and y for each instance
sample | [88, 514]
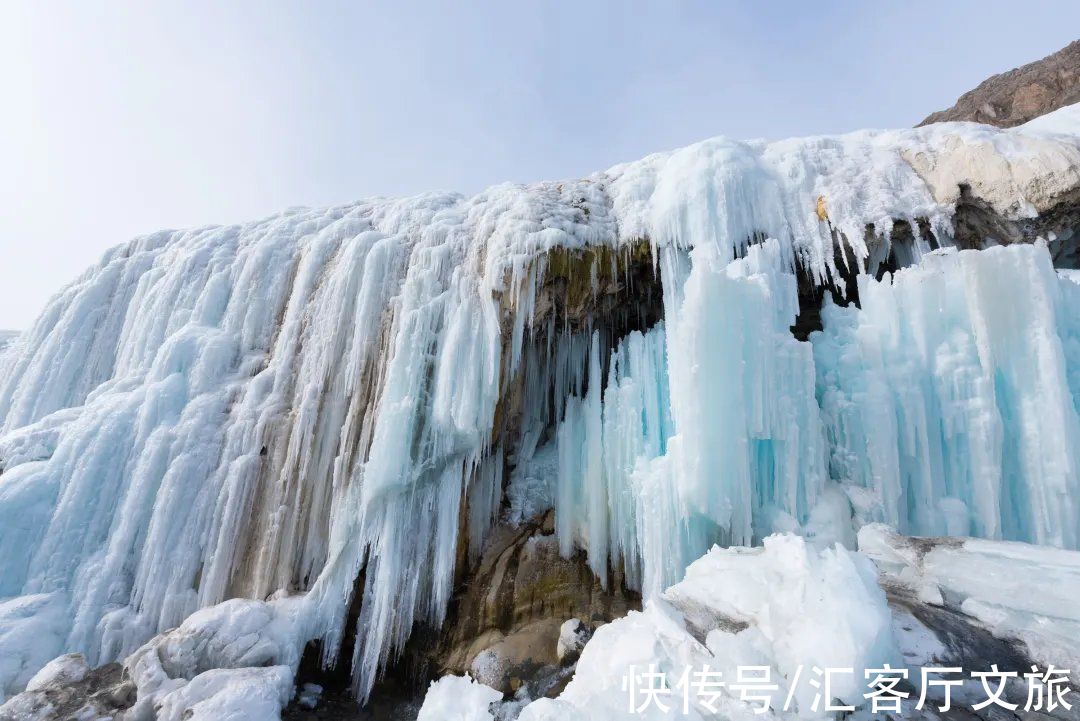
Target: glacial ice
[280, 408]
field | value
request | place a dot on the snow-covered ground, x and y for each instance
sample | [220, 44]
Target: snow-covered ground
[792, 611]
[260, 410]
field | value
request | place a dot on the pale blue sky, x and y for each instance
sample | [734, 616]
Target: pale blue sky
[121, 118]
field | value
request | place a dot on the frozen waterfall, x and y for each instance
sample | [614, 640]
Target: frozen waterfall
[325, 403]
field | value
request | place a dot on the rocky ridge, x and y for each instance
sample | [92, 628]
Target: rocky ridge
[1021, 94]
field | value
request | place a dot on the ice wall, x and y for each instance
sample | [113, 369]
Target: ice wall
[950, 398]
[287, 406]
[705, 433]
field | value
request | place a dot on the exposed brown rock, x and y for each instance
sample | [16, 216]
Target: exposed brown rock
[505, 621]
[1021, 94]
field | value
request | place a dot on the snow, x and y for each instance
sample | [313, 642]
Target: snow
[264, 410]
[458, 698]
[309, 695]
[573, 634]
[69, 668]
[246, 694]
[1069, 274]
[233, 661]
[1065, 121]
[783, 605]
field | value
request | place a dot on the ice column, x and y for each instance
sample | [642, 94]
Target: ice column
[950, 397]
[712, 440]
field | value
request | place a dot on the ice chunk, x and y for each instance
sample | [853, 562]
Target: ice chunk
[573, 634]
[787, 606]
[32, 630]
[235, 694]
[1016, 590]
[458, 698]
[235, 660]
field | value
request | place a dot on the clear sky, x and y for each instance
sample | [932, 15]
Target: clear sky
[124, 117]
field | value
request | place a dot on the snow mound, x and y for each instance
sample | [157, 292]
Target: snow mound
[62, 670]
[230, 662]
[786, 606]
[458, 698]
[1065, 121]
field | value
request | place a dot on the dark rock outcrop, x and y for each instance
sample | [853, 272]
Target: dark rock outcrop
[1021, 94]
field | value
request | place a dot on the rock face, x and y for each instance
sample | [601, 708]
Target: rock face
[1021, 94]
[507, 620]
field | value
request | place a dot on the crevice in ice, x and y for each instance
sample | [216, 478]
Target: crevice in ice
[812, 293]
[333, 672]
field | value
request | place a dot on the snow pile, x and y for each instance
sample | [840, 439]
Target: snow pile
[274, 407]
[1065, 121]
[786, 606]
[62, 670]
[458, 698]
[1015, 590]
[233, 661]
[951, 398]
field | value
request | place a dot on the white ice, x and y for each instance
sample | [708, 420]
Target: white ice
[458, 698]
[234, 661]
[785, 605]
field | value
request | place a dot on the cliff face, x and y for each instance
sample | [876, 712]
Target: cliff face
[1021, 94]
